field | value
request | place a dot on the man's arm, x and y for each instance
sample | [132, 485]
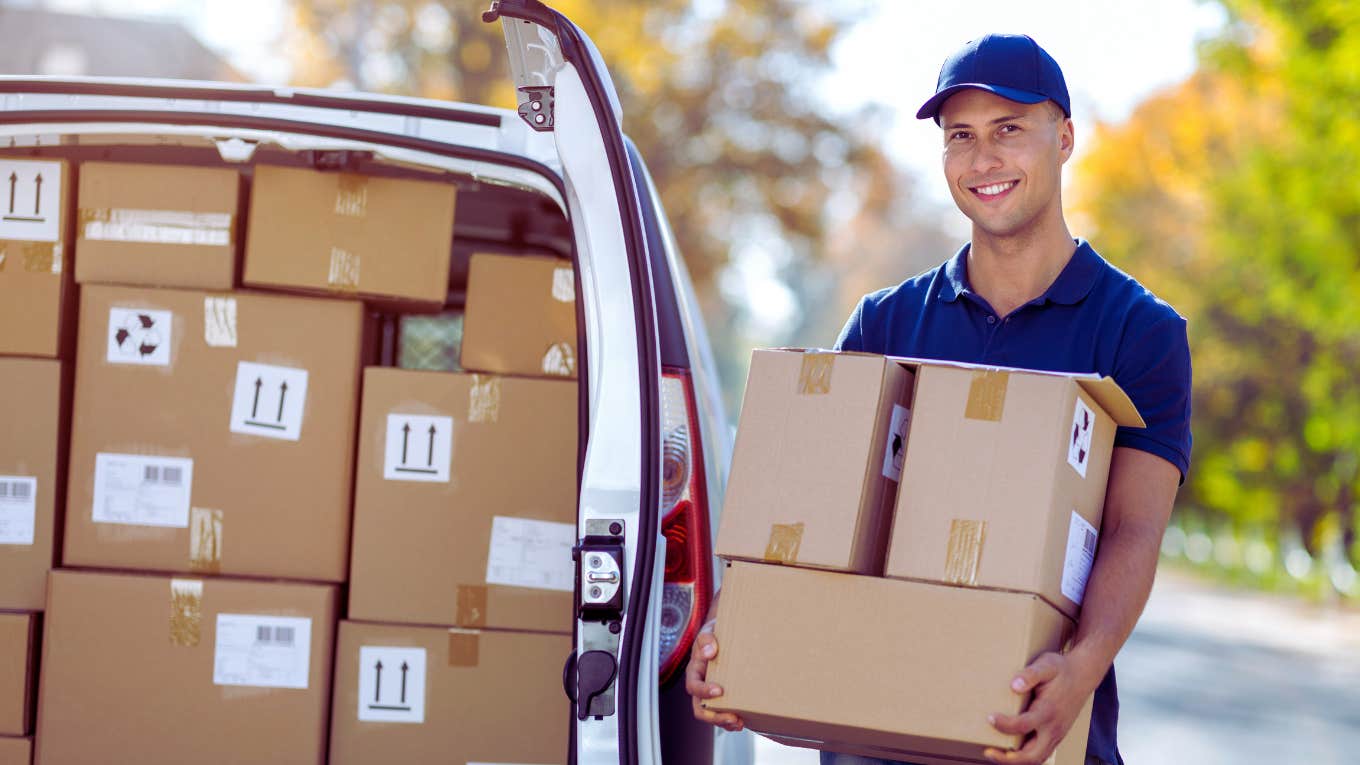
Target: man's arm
[1138, 501]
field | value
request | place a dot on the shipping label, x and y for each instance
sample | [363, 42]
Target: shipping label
[262, 651]
[418, 448]
[141, 490]
[1079, 444]
[896, 448]
[269, 401]
[391, 684]
[1080, 557]
[139, 336]
[30, 200]
[529, 553]
[18, 503]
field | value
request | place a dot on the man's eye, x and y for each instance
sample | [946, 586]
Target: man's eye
[960, 135]
[1009, 129]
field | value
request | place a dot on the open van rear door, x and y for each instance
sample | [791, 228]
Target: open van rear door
[564, 89]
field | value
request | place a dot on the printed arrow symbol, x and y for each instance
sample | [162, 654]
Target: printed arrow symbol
[13, 179]
[429, 460]
[121, 336]
[37, 194]
[146, 349]
[897, 443]
[255, 406]
[283, 393]
[403, 682]
[405, 436]
[1076, 432]
[377, 685]
[146, 321]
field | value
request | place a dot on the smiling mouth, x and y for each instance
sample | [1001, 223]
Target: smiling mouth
[993, 190]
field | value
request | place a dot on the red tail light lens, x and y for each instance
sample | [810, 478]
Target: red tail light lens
[688, 586]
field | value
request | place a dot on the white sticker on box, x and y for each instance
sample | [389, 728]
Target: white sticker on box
[391, 684]
[30, 200]
[1079, 445]
[529, 553]
[219, 321]
[18, 504]
[269, 401]
[139, 336]
[896, 448]
[141, 490]
[262, 651]
[1080, 557]
[564, 285]
[419, 448]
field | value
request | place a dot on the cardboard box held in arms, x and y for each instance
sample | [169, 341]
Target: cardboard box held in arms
[152, 669]
[386, 240]
[32, 455]
[465, 501]
[407, 694]
[37, 304]
[817, 459]
[215, 433]
[157, 225]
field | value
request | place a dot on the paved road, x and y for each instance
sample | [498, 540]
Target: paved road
[1216, 677]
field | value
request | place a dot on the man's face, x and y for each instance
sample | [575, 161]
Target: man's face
[1003, 160]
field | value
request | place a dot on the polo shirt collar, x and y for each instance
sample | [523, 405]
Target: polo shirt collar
[1072, 286]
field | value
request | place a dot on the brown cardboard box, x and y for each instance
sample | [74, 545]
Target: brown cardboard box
[520, 317]
[16, 751]
[904, 667]
[470, 696]
[1004, 479]
[32, 457]
[475, 527]
[217, 436]
[157, 225]
[36, 290]
[387, 240]
[816, 461]
[150, 669]
[18, 639]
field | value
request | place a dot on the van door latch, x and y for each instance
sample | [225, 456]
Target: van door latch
[537, 109]
[599, 607]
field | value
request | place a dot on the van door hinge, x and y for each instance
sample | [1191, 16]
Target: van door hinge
[537, 110]
[599, 607]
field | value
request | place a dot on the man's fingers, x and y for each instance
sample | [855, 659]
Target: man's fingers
[726, 720]
[706, 646]
[1040, 671]
[1015, 725]
[1034, 752]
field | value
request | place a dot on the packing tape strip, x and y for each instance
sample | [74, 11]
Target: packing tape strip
[784, 541]
[186, 612]
[484, 399]
[964, 553]
[559, 360]
[32, 257]
[987, 395]
[464, 647]
[205, 540]
[814, 377]
[344, 270]
[470, 608]
[117, 224]
[219, 321]
[351, 195]
[564, 285]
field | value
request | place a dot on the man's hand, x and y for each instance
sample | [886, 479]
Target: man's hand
[705, 650]
[1059, 693]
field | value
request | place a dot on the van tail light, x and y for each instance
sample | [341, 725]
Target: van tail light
[688, 587]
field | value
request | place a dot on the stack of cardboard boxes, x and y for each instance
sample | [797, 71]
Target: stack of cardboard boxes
[922, 530]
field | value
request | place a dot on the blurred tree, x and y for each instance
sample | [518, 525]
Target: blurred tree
[1233, 196]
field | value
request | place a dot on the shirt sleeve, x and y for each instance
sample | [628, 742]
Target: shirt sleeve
[852, 334]
[1153, 367]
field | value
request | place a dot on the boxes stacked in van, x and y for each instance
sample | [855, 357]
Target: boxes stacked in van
[212, 384]
[903, 536]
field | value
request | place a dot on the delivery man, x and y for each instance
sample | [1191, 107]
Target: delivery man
[1024, 293]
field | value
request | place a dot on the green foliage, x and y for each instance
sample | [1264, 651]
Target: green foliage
[1234, 196]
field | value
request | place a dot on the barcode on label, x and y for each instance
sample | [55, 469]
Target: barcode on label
[1089, 544]
[267, 635]
[162, 474]
[19, 490]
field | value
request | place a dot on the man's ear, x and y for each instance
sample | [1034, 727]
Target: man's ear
[1066, 138]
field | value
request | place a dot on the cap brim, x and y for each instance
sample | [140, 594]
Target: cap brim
[931, 109]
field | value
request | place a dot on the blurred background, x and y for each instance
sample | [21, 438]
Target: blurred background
[1218, 145]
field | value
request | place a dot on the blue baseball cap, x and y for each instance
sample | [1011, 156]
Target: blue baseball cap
[1011, 66]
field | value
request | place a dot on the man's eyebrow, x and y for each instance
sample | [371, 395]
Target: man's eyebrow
[997, 121]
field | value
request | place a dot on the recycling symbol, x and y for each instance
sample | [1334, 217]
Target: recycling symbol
[138, 336]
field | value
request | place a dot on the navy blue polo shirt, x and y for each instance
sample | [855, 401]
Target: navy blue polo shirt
[1093, 318]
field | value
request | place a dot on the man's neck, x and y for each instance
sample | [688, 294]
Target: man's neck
[1010, 271]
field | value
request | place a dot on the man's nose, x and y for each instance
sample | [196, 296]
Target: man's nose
[986, 158]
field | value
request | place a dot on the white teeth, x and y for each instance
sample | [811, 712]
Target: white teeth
[995, 188]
